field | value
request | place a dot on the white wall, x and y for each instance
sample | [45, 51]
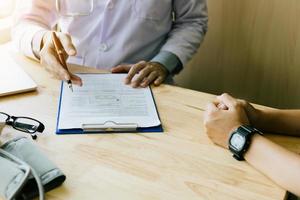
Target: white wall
[6, 10]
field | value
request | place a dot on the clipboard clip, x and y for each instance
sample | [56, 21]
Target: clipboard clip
[109, 126]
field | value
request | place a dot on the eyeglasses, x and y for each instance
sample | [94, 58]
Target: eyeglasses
[24, 124]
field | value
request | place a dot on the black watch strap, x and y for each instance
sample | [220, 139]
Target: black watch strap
[247, 132]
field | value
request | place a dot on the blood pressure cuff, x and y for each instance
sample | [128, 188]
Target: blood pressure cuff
[15, 179]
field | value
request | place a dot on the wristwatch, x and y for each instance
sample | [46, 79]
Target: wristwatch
[240, 140]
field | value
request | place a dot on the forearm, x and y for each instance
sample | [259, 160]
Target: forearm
[188, 29]
[31, 22]
[27, 38]
[279, 164]
[279, 121]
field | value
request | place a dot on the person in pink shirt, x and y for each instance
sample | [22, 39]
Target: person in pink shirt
[151, 40]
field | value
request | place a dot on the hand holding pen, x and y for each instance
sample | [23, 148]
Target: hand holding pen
[55, 49]
[60, 51]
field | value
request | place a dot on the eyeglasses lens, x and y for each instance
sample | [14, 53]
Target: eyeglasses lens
[26, 125]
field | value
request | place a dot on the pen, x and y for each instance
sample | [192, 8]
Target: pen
[60, 52]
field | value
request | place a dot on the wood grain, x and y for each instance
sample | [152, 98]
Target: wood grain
[251, 50]
[180, 163]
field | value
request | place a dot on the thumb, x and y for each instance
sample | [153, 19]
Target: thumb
[211, 107]
[121, 69]
[76, 80]
[227, 100]
[67, 44]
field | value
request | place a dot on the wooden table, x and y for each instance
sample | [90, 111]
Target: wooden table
[179, 164]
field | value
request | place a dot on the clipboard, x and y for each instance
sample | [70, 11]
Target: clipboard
[108, 126]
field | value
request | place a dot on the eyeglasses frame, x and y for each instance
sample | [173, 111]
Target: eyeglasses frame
[39, 129]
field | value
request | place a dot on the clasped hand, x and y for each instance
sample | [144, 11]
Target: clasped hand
[226, 114]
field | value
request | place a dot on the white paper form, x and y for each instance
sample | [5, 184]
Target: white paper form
[103, 98]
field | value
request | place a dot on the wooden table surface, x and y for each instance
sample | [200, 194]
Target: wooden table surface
[179, 164]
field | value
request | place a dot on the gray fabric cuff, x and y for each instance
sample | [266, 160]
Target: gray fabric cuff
[13, 177]
[169, 60]
[29, 153]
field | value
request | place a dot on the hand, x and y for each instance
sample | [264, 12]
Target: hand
[143, 73]
[253, 114]
[49, 58]
[220, 123]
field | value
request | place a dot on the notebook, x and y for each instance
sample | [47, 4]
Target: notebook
[13, 79]
[106, 104]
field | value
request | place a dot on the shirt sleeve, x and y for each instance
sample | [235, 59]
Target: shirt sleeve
[169, 60]
[32, 20]
[188, 30]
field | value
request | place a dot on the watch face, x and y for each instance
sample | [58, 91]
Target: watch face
[237, 142]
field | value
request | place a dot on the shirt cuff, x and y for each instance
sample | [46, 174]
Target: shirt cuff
[169, 60]
[27, 40]
[37, 42]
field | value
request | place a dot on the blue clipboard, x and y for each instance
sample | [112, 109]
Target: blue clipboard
[154, 129]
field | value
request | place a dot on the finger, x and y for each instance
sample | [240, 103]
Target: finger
[56, 68]
[216, 101]
[243, 102]
[141, 76]
[121, 69]
[228, 100]
[148, 80]
[210, 107]
[134, 70]
[67, 43]
[222, 106]
[159, 80]
[76, 80]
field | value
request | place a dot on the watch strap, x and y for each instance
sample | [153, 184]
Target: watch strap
[247, 132]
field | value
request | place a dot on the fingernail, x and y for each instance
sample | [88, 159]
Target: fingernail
[67, 77]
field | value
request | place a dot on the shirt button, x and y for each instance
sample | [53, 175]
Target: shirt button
[103, 47]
